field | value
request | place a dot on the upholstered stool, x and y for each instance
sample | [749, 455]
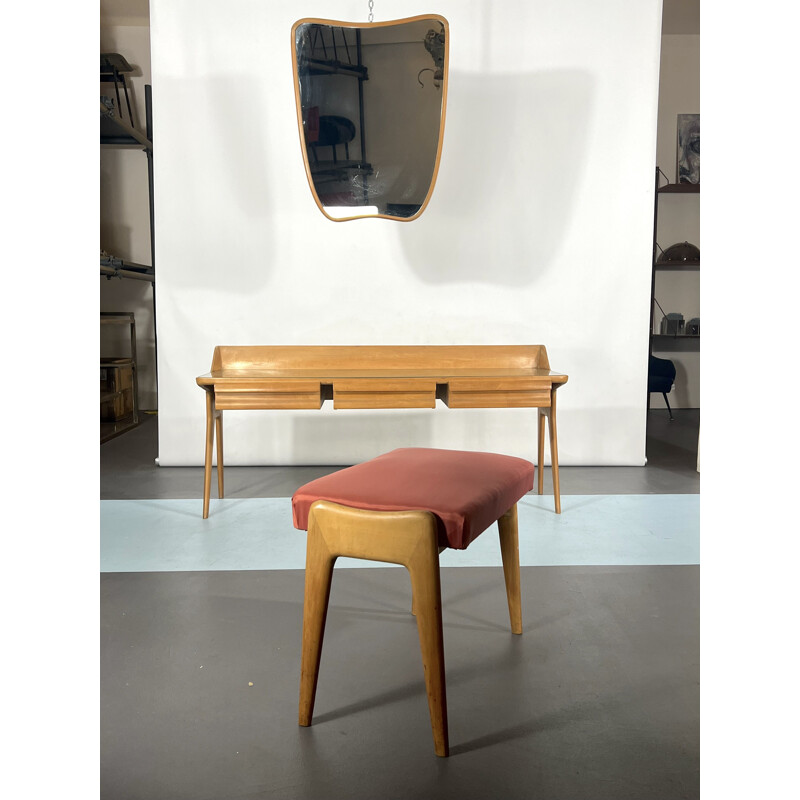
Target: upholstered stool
[405, 507]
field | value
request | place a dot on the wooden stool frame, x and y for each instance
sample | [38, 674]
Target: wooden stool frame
[399, 537]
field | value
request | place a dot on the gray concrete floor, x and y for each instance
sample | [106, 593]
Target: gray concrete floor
[129, 472]
[599, 698]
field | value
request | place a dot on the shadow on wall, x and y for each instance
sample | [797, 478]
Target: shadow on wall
[318, 438]
[361, 435]
[513, 152]
[222, 164]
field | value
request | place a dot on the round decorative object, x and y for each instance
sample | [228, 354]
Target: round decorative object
[681, 252]
[335, 130]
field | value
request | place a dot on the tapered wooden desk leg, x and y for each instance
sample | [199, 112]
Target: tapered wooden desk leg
[509, 550]
[220, 477]
[551, 419]
[540, 452]
[424, 571]
[319, 571]
[209, 452]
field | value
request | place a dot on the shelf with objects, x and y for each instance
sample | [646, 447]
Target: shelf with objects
[115, 131]
[673, 268]
[119, 131]
[113, 267]
[119, 382]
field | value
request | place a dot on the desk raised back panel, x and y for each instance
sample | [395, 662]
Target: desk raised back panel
[326, 358]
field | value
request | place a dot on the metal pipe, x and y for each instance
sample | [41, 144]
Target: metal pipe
[126, 273]
[138, 276]
[148, 104]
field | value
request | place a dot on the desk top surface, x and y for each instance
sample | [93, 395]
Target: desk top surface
[331, 374]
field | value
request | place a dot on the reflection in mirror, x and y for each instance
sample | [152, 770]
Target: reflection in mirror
[370, 105]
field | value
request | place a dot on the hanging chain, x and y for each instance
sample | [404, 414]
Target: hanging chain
[371, 4]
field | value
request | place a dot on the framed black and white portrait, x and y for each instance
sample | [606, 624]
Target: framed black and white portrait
[688, 148]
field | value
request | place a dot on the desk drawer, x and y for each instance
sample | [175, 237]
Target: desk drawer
[384, 393]
[276, 393]
[497, 393]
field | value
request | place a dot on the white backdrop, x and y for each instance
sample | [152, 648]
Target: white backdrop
[539, 230]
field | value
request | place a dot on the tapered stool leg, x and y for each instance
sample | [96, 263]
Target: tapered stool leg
[509, 550]
[424, 571]
[319, 571]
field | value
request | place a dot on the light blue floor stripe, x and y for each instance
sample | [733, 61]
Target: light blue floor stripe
[257, 533]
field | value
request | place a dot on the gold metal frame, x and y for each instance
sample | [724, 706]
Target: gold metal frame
[303, 149]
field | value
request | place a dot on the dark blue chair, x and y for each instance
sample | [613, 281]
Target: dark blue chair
[660, 377]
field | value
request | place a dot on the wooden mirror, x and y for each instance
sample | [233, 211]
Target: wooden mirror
[370, 109]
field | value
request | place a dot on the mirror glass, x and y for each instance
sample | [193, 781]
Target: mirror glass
[370, 106]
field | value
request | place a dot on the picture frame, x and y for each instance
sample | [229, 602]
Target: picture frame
[688, 160]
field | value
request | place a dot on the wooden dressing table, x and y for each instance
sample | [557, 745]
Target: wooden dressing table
[379, 376]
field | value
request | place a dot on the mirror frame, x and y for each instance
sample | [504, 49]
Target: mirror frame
[298, 105]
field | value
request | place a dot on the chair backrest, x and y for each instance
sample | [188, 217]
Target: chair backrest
[660, 375]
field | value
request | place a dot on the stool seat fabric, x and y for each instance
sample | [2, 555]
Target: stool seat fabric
[466, 491]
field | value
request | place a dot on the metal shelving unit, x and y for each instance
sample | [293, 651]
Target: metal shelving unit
[119, 383]
[115, 131]
[674, 342]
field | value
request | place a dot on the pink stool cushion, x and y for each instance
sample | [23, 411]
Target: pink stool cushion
[466, 491]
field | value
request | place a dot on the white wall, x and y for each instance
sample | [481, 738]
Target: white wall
[125, 213]
[536, 233]
[679, 214]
